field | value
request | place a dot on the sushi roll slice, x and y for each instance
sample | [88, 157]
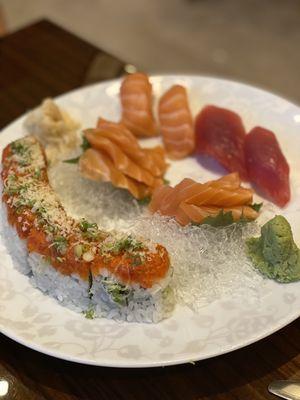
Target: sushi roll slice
[101, 274]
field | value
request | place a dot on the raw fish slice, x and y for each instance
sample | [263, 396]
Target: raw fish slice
[121, 161]
[136, 100]
[215, 196]
[186, 188]
[158, 165]
[182, 217]
[220, 134]
[153, 160]
[198, 214]
[267, 166]
[116, 130]
[176, 122]
[97, 166]
[231, 181]
[158, 197]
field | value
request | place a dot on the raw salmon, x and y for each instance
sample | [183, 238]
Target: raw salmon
[170, 203]
[136, 101]
[153, 159]
[215, 196]
[176, 122]
[220, 134]
[120, 160]
[97, 166]
[157, 162]
[267, 166]
[198, 214]
[159, 196]
[191, 201]
[230, 181]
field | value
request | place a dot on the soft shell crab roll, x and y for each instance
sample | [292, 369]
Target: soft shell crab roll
[89, 270]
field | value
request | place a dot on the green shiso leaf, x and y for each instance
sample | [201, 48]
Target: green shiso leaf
[72, 160]
[256, 206]
[222, 219]
[85, 144]
[144, 201]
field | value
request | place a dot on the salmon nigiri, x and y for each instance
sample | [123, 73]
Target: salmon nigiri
[97, 166]
[136, 101]
[176, 122]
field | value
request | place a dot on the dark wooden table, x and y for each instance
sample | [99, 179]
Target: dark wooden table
[44, 60]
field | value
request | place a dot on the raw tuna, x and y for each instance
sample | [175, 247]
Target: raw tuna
[220, 134]
[267, 166]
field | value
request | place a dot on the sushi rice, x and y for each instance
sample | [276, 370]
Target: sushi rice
[102, 295]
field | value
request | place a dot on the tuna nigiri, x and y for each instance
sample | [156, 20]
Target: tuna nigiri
[176, 122]
[267, 166]
[136, 101]
[220, 134]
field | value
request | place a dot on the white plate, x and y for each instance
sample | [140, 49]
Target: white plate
[39, 322]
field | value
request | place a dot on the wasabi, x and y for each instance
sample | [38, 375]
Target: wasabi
[275, 253]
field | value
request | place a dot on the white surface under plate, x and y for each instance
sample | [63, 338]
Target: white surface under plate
[39, 322]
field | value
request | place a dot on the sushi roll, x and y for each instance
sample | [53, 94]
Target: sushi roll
[101, 274]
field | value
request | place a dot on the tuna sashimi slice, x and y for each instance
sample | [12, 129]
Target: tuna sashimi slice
[220, 134]
[266, 165]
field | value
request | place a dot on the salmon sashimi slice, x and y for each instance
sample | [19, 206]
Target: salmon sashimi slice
[97, 166]
[176, 122]
[119, 133]
[267, 167]
[182, 217]
[136, 101]
[231, 181]
[198, 214]
[185, 188]
[221, 197]
[120, 160]
[158, 164]
[153, 160]
[158, 197]
[191, 201]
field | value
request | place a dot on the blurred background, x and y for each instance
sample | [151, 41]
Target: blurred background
[256, 41]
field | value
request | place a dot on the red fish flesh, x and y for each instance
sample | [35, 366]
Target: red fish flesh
[220, 134]
[266, 165]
